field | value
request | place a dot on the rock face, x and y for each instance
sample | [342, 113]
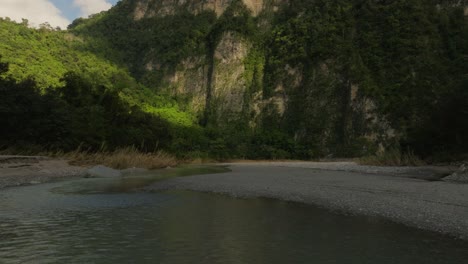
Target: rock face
[460, 176]
[161, 8]
[280, 65]
[219, 81]
[227, 81]
[229, 84]
[191, 79]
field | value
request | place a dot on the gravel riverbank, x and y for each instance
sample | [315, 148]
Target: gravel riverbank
[406, 195]
[413, 196]
[27, 170]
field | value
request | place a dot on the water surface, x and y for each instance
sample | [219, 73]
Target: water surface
[69, 222]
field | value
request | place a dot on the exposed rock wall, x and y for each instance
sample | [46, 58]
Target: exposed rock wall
[305, 74]
[190, 80]
[160, 8]
[219, 83]
[228, 80]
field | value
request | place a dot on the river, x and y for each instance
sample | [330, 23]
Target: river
[105, 221]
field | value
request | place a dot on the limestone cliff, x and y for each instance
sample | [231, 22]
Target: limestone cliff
[228, 84]
[218, 84]
[327, 74]
[152, 8]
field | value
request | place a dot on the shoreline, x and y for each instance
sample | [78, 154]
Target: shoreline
[407, 196]
[18, 170]
[427, 172]
[29, 170]
[414, 196]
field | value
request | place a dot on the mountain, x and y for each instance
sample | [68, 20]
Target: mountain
[296, 79]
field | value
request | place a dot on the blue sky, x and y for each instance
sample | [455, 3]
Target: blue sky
[58, 13]
[70, 11]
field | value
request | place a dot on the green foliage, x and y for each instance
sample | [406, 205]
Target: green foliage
[408, 57]
[254, 67]
[169, 39]
[173, 114]
[45, 56]
[236, 18]
[78, 114]
[27, 116]
[416, 54]
[342, 67]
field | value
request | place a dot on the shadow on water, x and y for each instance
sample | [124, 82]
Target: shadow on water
[69, 222]
[134, 181]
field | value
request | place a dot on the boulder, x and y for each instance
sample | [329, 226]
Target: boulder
[460, 176]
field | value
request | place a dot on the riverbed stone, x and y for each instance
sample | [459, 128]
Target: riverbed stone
[101, 171]
[461, 175]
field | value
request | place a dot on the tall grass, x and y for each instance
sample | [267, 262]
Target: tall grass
[392, 157]
[123, 158]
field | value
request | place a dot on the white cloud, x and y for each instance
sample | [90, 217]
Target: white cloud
[89, 7]
[36, 11]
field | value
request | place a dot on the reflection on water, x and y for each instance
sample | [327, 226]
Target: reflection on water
[38, 225]
[134, 181]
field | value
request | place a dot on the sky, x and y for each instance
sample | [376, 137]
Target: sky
[58, 13]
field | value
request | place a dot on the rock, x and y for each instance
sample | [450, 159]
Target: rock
[460, 176]
[103, 172]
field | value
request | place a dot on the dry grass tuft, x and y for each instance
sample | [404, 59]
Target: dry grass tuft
[123, 158]
[392, 158]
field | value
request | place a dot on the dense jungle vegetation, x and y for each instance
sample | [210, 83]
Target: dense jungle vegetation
[89, 86]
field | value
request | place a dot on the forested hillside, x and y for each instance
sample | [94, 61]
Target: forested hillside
[57, 94]
[251, 79]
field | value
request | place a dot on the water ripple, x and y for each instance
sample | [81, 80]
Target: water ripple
[38, 226]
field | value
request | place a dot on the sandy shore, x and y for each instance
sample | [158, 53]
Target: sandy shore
[405, 195]
[26, 170]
